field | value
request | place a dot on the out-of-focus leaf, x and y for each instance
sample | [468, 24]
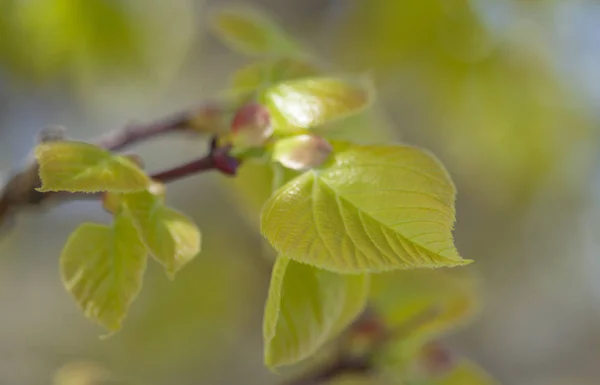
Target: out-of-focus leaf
[490, 102]
[102, 267]
[531, 125]
[436, 365]
[171, 237]
[370, 209]
[268, 72]
[387, 35]
[419, 306]
[438, 300]
[464, 372]
[252, 32]
[302, 104]
[306, 308]
[195, 323]
[84, 373]
[83, 36]
[83, 167]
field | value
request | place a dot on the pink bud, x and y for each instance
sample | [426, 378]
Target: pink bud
[252, 125]
[302, 152]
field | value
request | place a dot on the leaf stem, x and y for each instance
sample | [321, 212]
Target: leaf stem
[218, 159]
[129, 135]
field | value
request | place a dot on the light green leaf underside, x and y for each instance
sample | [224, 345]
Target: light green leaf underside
[251, 32]
[270, 72]
[172, 238]
[465, 372]
[102, 267]
[311, 102]
[83, 167]
[371, 209]
[306, 308]
[431, 302]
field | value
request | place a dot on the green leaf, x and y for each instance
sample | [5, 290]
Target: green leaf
[303, 104]
[369, 209]
[77, 37]
[438, 300]
[270, 72]
[83, 167]
[252, 187]
[251, 32]
[465, 372]
[102, 267]
[172, 238]
[306, 308]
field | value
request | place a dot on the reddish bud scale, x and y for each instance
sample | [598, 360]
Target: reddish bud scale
[249, 116]
[251, 127]
[436, 360]
[371, 325]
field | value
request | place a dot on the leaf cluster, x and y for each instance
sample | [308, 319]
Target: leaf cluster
[357, 229]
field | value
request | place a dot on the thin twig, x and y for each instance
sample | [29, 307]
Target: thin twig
[120, 139]
[20, 190]
[218, 159]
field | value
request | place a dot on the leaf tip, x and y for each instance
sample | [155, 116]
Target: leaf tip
[270, 363]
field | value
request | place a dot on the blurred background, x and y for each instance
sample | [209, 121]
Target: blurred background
[505, 92]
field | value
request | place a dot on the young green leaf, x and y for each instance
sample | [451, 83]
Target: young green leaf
[270, 72]
[464, 372]
[83, 167]
[302, 104]
[172, 238]
[431, 301]
[306, 308]
[369, 209]
[251, 32]
[102, 267]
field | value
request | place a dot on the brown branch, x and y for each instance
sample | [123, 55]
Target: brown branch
[20, 191]
[202, 119]
[218, 159]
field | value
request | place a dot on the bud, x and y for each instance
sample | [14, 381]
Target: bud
[208, 119]
[52, 134]
[435, 360]
[251, 126]
[302, 152]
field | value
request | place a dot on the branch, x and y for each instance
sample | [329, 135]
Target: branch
[20, 191]
[203, 119]
[218, 159]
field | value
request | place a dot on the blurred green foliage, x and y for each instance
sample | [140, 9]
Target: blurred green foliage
[46, 38]
[494, 98]
[488, 101]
